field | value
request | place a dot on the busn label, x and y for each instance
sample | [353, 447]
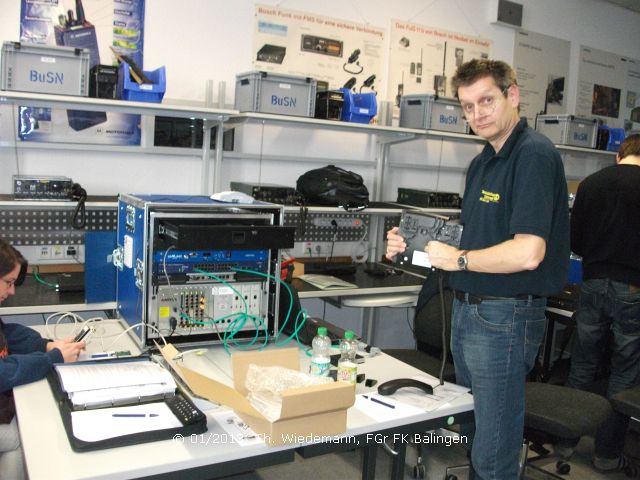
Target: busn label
[46, 77]
[285, 101]
[448, 119]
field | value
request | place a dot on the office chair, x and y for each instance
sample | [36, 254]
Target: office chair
[427, 331]
[555, 413]
[627, 403]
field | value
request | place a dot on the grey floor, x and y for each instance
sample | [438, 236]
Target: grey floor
[437, 457]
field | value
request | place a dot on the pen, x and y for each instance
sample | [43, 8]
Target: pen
[379, 401]
[124, 415]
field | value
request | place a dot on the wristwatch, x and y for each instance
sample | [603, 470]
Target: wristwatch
[463, 262]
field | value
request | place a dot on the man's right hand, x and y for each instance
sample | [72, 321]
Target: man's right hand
[395, 244]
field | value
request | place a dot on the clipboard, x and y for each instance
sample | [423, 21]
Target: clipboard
[80, 445]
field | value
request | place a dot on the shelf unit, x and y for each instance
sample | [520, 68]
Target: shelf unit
[210, 117]
[385, 136]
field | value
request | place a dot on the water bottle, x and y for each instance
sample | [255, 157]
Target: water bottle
[347, 367]
[321, 349]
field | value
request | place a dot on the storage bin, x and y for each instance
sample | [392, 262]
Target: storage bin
[45, 69]
[129, 89]
[273, 93]
[358, 107]
[568, 130]
[433, 113]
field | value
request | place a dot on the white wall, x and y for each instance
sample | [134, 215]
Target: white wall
[202, 40]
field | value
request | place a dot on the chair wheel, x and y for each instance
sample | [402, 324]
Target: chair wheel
[418, 471]
[451, 477]
[562, 467]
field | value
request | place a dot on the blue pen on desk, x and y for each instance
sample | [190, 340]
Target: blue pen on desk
[125, 415]
[379, 401]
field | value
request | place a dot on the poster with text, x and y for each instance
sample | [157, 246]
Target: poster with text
[330, 50]
[607, 87]
[95, 25]
[423, 59]
[542, 70]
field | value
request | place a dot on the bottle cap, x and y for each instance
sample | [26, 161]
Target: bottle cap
[321, 331]
[349, 335]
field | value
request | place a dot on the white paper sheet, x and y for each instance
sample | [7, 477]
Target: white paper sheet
[100, 424]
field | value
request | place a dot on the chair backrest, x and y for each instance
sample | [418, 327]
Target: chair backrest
[428, 324]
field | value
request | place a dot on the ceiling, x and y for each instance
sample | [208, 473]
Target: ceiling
[630, 4]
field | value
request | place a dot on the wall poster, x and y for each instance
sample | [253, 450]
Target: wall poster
[608, 85]
[95, 25]
[332, 50]
[423, 59]
[542, 70]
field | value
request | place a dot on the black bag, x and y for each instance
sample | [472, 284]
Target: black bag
[333, 186]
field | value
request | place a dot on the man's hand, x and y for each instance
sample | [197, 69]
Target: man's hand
[70, 350]
[395, 244]
[442, 256]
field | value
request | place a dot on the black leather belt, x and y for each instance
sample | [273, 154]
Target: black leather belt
[474, 299]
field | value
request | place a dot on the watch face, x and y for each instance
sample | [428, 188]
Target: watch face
[462, 262]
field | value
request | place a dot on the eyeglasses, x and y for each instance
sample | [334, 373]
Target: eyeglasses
[485, 106]
[9, 283]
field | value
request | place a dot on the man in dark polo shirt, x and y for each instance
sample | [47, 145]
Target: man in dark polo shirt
[514, 253]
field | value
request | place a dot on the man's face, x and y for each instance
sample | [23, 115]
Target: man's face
[490, 115]
[7, 283]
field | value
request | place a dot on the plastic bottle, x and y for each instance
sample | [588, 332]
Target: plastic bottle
[320, 356]
[347, 366]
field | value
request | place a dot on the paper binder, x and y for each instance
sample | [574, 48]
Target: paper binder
[78, 445]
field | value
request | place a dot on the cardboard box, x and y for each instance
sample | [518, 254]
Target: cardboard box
[308, 412]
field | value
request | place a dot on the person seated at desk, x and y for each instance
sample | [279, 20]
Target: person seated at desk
[24, 358]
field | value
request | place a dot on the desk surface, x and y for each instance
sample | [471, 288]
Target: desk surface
[49, 456]
[367, 285]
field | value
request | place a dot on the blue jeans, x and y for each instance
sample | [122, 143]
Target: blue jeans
[494, 345]
[607, 308]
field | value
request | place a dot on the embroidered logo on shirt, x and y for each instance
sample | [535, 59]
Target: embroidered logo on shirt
[490, 197]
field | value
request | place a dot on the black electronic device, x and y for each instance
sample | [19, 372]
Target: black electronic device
[329, 104]
[336, 357]
[271, 53]
[418, 229]
[390, 387]
[70, 282]
[184, 409]
[325, 46]
[428, 198]
[103, 81]
[41, 187]
[84, 333]
[194, 234]
[266, 192]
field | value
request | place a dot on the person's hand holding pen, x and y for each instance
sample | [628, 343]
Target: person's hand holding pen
[70, 350]
[395, 244]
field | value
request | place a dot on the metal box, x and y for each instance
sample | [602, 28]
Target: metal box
[45, 69]
[568, 130]
[272, 93]
[433, 113]
[197, 269]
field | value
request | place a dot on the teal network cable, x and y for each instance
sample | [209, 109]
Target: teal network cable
[302, 312]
